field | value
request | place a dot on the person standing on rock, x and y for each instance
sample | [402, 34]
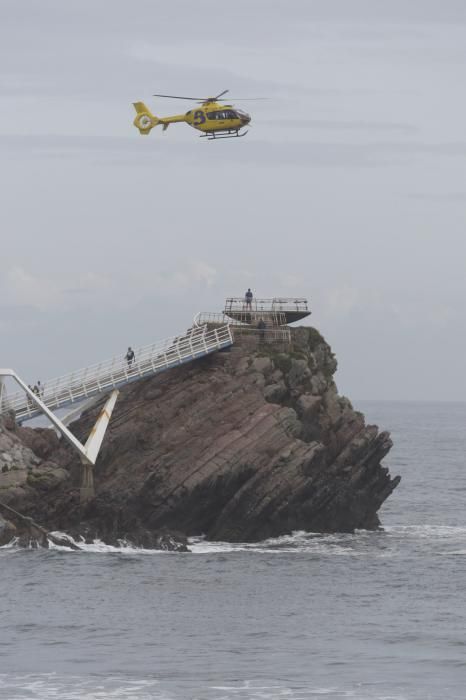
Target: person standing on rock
[248, 299]
[130, 357]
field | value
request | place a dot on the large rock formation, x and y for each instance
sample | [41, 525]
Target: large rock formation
[239, 446]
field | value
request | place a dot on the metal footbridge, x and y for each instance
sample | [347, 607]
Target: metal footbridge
[85, 386]
[115, 373]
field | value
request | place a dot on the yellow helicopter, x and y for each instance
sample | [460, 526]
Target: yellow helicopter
[216, 121]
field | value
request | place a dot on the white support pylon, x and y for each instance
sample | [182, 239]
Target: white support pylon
[94, 441]
[88, 452]
[92, 447]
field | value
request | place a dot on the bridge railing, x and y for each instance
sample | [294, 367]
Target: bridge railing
[213, 318]
[113, 373]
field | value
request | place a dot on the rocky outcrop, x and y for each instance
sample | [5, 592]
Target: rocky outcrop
[26, 473]
[239, 446]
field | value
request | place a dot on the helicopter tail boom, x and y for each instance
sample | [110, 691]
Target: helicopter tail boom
[144, 120]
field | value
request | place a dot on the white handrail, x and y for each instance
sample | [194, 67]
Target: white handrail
[299, 304]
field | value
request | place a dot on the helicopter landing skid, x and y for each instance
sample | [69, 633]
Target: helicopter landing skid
[228, 134]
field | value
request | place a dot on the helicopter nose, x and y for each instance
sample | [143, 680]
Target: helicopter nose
[245, 118]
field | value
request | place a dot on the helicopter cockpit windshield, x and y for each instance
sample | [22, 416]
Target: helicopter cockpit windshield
[244, 116]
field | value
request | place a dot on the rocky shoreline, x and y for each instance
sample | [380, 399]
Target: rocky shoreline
[239, 446]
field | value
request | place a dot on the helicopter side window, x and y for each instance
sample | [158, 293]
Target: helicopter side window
[215, 115]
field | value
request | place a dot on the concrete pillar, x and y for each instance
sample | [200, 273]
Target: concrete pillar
[87, 491]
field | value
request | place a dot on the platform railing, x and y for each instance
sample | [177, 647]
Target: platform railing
[242, 318]
[275, 304]
[274, 330]
[57, 393]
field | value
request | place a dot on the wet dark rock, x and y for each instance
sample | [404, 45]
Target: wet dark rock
[7, 531]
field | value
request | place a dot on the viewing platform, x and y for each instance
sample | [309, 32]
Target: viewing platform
[285, 310]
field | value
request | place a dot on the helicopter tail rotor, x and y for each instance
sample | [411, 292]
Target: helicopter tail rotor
[144, 120]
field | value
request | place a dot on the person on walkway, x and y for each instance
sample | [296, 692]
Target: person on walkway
[248, 299]
[261, 326]
[130, 357]
[36, 389]
[40, 389]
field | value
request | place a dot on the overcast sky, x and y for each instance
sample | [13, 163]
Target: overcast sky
[350, 187]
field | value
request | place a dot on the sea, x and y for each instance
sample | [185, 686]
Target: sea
[367, 616]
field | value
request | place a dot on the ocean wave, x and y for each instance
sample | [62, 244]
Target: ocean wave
[427, 531]
[95, 547]
[385, 542]
[51, 686]
[99, 547]
[296, 542]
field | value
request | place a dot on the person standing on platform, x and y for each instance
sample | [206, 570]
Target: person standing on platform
[248, 299]
[130, 357]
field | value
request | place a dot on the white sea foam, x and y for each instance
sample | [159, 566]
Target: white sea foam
[253, 691]
[297, 542]
[51, 686]
[361, 543]
[95, 547]
[99, 547]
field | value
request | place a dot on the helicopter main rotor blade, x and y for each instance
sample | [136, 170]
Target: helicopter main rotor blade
[243, 99]
[220, 94]
[179, 97]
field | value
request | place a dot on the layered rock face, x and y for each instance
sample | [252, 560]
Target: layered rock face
[239, 446]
